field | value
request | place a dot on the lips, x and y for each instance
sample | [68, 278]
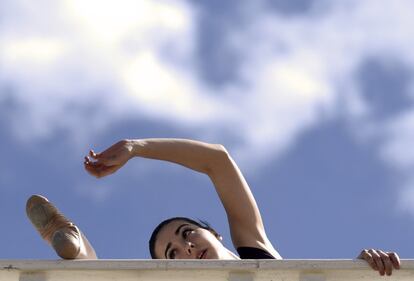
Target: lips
[202, 255]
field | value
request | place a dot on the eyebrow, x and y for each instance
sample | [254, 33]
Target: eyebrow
[178, 229]
[176, 233]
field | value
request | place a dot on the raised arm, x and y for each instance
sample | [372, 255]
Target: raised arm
[195, 155]
[244, 217]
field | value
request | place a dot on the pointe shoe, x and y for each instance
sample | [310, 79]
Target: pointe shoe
[52, 225]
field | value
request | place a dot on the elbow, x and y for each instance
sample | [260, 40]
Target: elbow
[219, 157]
[220, 148]
[221, 152]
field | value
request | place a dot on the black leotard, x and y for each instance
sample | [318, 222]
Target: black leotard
[253, 253]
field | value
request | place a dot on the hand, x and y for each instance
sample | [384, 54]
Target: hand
[110, 160]
[384, 262]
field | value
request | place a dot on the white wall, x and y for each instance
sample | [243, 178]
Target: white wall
[212, 270]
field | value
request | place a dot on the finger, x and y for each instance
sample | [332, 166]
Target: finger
[395, 259]
[108, 170]
[386, 261]
[91, 169]
[87, 160]
[378, 261]
[97, 159]
[365, 255]
[101, 158]
[93, 154]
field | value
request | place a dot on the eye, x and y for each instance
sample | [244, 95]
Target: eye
[171, 254]
[186, 232]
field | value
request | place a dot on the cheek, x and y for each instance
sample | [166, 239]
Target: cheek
[180, 254]
[205, 238]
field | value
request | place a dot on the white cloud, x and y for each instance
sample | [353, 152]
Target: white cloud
[397, 149]
[93, 59]
[155, 86]
[139, 56]
[110, 22]
[32, 51]
[398, 153]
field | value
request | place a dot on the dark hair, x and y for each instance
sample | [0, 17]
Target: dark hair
[200, 223]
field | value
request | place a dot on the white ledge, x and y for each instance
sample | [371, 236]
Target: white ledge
[248, 270]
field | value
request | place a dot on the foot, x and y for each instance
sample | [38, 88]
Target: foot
[57, 230]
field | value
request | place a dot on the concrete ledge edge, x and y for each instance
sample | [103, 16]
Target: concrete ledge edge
[239, 265]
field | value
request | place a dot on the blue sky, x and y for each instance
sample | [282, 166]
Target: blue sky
[314, 100]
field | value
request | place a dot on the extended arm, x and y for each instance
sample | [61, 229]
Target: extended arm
[198, 156]
[211, 159]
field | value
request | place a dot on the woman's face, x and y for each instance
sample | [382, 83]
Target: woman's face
[180, 239]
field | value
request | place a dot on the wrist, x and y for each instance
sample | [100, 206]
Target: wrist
[136, 146]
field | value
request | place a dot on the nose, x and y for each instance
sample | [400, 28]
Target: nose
[189, 247]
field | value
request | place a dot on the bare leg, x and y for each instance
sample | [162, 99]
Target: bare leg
[63, 235]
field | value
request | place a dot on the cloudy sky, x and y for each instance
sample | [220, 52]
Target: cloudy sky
[313, 98]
